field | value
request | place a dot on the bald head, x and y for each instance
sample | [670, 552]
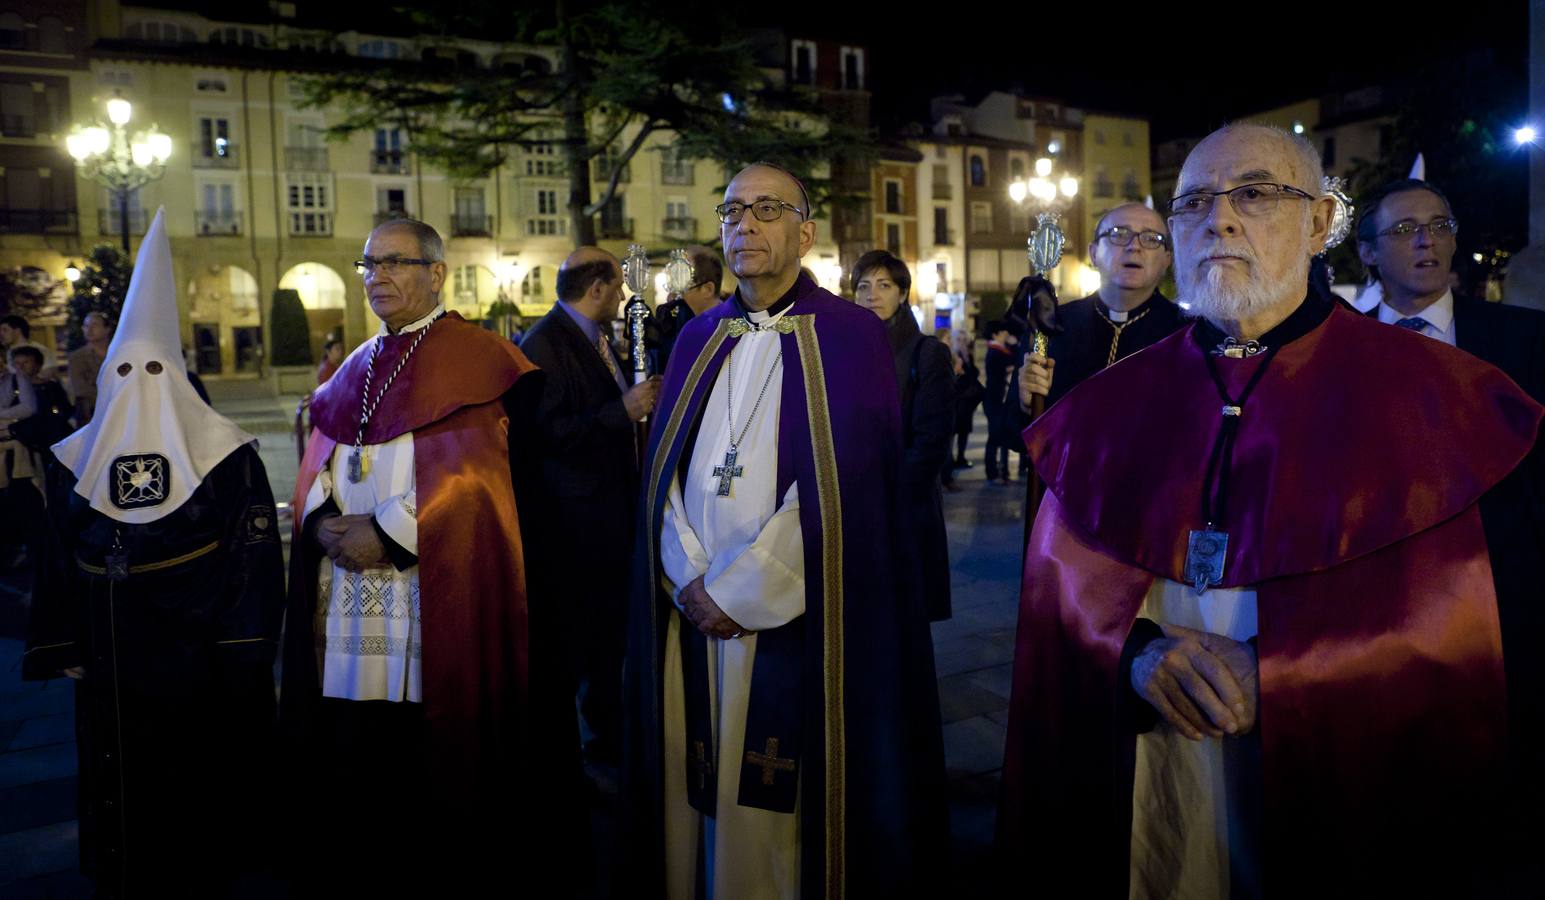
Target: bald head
[590, 280]
[1134, 213]
[1297, 163]
[764, 253]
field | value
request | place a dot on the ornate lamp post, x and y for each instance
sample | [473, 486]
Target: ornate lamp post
[121, 162]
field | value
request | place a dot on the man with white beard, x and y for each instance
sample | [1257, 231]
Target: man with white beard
[1263, 652]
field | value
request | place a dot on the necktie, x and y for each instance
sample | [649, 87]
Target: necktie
[606, 357]
[1414, 323]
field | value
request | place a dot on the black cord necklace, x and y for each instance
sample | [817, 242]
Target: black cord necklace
[1208, 548]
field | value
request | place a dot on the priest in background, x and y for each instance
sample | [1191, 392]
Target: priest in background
[784, 736]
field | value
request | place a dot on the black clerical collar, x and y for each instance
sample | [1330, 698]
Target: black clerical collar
[782, 304]
[1314, 309]
[1134, 312]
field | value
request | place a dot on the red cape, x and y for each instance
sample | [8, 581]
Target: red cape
[471, 563]
[1352, 510]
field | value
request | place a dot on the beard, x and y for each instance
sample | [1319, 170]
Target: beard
[1209, 294]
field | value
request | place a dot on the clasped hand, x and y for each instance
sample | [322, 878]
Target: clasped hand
[351, 542]
[704, 614]
[1201, 683]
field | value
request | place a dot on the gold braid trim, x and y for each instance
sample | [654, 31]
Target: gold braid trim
[668, 438]
[155, 566]
[1115, 339]
[824, 451]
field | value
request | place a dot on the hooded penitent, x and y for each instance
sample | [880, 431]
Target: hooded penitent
[151, 440]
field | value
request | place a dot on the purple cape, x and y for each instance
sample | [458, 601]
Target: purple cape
[872, 805]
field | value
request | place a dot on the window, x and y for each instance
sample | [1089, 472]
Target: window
[941, 225]
[209, 84]
[51, 37]
[217, 213]
[852, 68]
[115, 78]
[1103, 186]
[892, 196]
[1130, 189]
[13, 33]
[391, 203]
[614, 220]
[18, 110]
[1099, 136]
[387, 155]
[803, 62]
[549, 219]
[542, 159]
[1016, 168]
[309, 204]
[239, 37]
[161, 33]
[381, 49]
[531, 289]
[470, 217]
[893, 239]
[1329, 156]
[110, 219]
[981, 218]
[1126, 138]
[978, 170]
[214, 138]
[464, 285]
[674, 170]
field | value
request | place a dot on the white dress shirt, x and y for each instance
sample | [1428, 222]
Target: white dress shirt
[1439, 315]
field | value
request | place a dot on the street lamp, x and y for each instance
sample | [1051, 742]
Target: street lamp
[1048, 193]
[121, 162]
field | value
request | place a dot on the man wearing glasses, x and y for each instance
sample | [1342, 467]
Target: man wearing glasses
[1258, 648]
[1406, 236]
[703, 295]
[405, 667]
[783, 714]
[1131, 250]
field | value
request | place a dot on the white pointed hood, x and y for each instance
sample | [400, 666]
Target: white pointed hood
[151, 441]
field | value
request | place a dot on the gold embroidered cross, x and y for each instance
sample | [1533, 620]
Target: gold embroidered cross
[701, 764]
[769, 761]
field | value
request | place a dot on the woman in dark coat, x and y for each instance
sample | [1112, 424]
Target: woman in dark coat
[925, 375]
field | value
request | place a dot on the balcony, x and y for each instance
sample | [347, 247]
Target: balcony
[943, 237]
[224, 223]
[386, 215]
[38, 221]
[615, 229]
[305, 159]
[676, 173]
[110, 221]
[18, 126]
[311, 224]
[684, 229]
[216, 155]
[469, 225]
[390, 162]
[942, 190]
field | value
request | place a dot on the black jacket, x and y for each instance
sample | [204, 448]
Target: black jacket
[588, 458]
[925, 377]
[1082, 347]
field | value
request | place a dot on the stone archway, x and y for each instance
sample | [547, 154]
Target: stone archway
[323, 293]
[226, 321]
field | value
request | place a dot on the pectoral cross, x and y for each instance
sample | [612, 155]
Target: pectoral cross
[769, 762]
[728, 472]
[701, 764]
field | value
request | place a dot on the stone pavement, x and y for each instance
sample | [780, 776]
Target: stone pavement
[974, 651]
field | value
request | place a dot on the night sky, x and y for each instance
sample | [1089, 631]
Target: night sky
[1186, 66]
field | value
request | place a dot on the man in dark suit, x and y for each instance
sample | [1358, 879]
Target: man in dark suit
[1406, 237]
[589, 458]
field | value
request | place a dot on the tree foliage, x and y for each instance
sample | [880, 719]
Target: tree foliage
[292, 333]
[102, 287]
[598, 79]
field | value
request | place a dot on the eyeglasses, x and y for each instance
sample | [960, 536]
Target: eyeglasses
[1121, 236]
[391, 265]
[1447, 227]
[1249, 200]
[765, 210]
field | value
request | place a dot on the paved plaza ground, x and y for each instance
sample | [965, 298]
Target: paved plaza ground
[973, 650]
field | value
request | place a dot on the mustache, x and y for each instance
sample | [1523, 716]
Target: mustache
[1216, 250]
